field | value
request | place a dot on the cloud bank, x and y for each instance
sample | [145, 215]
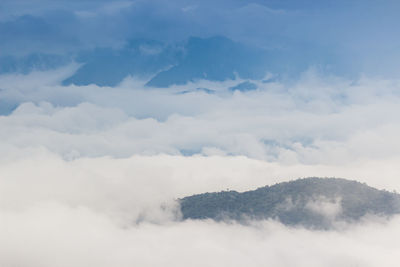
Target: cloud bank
[317, 120]
[90, 175]
[108, 211]
[88, 238]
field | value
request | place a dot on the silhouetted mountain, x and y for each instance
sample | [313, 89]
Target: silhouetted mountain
[216, 59]
[310, 202]
[108, 67]
[32, 62]
[244, 87]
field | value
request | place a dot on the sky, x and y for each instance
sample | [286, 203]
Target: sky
[90, 173]
[349, 37]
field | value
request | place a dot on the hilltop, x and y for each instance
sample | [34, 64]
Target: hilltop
[310, 202]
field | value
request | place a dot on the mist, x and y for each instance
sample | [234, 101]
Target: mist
[91, 175]
[96, 157]
[108, 211]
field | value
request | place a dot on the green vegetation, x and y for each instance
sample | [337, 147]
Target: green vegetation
[310, 202]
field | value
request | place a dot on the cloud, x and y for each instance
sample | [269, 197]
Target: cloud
[109, 211]
[329, 208]
[318, 120]
[57, 235]
[90, 175]
[319, 126]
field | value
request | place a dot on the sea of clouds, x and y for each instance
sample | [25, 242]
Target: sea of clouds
[89, 175]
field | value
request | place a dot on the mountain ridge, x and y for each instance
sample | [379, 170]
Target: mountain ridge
[310, 202]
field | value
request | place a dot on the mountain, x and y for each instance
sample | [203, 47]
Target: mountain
[244, 87]
[217, 59]
[310, 202]
[32, 62]
[108, 66]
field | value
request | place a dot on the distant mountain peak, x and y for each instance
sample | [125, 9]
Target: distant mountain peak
[215, 58]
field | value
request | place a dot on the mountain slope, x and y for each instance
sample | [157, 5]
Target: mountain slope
[216, 59]
[108, 67]
[32, 62]
[310, 202]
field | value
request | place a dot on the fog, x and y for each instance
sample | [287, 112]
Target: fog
[108, 211]
[89, 176]
[316, 120]
[88, 238]
[92, 175]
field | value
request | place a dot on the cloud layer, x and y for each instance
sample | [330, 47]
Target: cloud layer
[90, 175]
[80, 238]
[318, 119]
[106, 211]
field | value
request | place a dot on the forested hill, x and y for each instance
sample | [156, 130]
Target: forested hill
[309, 202]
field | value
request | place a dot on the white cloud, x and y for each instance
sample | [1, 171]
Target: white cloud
[81, 166]
[57, 235]
[313, 121]
[329, 208]
[83, 212]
